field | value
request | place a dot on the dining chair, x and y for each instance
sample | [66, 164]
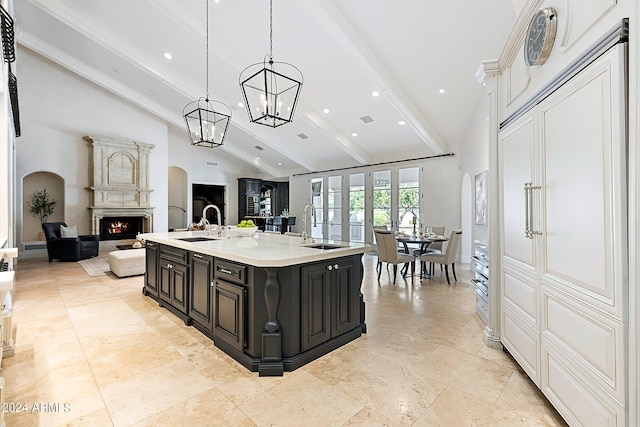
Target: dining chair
[388, 252]
[448, 257]
[379, 227]
[434, 248]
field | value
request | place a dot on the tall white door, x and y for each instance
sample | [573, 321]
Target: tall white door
[564, 261]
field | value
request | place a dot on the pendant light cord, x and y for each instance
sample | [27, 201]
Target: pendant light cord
[271, 29]
[206, 55]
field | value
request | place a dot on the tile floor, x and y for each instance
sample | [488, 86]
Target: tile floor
[93, 351]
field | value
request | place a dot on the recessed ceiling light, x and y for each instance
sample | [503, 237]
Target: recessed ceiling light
[257, 157]
[326, 111]
[402, 123]
[375, 93]
[354, 134]
[240, 104]
[279, 164]
[441, 90]
[167, 55]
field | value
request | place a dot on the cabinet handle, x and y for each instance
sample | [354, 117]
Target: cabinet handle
[335, 266]
[526, 210]
[226, 271]
[211, 284]
[150, 245]
[197, 255]
[528, 204]
[329, 267]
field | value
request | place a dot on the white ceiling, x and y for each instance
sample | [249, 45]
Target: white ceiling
[406, 49]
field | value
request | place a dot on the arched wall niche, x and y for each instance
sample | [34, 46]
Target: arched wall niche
[37, 181]
[178, 197]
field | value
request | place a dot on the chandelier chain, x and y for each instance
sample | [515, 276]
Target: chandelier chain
[206, 54]
[271, 29]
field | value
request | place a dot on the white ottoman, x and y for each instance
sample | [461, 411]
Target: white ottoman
[128, 262]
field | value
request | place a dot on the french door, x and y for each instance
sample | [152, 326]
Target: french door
[327, 198]
[396, 196]
[349, 205]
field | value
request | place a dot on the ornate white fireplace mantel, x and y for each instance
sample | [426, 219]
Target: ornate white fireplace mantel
[119, 180]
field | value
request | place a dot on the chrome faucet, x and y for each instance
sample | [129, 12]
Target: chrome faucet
[305, 236]
[206, 222]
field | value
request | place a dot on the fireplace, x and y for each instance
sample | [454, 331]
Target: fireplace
[120, 227]
[119, 193]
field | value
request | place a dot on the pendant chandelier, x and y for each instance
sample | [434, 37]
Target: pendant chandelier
[206, 125]
[271, 89]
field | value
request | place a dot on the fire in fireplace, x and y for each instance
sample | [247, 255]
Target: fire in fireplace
[117, 228]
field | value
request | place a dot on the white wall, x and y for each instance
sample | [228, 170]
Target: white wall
[474, 158]
[58, 108]
[194, 160]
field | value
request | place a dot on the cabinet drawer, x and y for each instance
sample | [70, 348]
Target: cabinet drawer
[174, 254]
[480, 267]
[231, 271]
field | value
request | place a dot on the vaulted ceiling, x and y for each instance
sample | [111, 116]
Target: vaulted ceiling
[421, 56]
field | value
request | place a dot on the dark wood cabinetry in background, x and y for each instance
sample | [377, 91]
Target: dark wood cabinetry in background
[250, 192]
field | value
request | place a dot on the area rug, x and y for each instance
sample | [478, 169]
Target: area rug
[97, 266]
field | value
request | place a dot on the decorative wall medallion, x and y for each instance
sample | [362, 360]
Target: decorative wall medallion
[540, 37]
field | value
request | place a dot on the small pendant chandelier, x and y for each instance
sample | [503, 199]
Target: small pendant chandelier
[270, 95]
[206, 125]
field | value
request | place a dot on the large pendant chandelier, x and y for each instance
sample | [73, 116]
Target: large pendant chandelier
[206, 124]
[271, 89]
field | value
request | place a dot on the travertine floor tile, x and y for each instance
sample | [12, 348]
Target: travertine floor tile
[299, 401]
[119, 359]
[133, 399]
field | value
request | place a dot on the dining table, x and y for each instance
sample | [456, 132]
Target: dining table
[423, 241]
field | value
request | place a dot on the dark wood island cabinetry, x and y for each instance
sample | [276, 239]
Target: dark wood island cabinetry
[269, 318]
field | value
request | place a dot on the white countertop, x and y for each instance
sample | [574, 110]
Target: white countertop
[261, 249]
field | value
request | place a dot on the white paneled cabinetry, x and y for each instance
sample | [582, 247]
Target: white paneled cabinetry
[563, 245]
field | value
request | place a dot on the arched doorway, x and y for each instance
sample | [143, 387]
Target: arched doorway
[38, 181]
[178, 195]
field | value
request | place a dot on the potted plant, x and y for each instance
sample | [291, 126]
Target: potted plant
[41, 205]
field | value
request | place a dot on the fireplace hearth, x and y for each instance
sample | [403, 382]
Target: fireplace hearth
[118, 228]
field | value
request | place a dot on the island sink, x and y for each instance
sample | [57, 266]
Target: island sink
[324, 246]
[196, 239]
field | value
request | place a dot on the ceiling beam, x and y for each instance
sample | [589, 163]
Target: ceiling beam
[171, 117]
[339, 139]
[341, 30]
[234, 56]
[71, 18]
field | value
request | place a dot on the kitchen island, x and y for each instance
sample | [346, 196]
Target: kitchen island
[268, 301]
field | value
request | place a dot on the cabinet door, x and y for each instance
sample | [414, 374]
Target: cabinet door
[229, 313]
[345, 298]
[164, 284]
[516, 156]
[201, 290]
[585, 236]
[151, 269]
[315, 310]
[179, 286]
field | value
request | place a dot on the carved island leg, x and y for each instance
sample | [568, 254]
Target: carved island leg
[271, 360]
